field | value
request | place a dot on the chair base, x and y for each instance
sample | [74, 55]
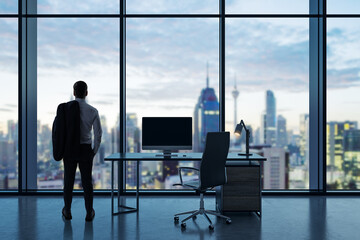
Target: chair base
[201, 211]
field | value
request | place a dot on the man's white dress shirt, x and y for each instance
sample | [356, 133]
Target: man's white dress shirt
[89, 118]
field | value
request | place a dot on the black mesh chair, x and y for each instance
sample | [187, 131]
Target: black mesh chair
[212, 173]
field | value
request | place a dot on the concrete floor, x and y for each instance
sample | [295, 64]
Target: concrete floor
[312, 217]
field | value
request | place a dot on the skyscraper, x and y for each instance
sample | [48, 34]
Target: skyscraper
[281, 132]
[132, 145]
[304, 138]
[270, 119]
[276, 168]
[206, 115]
[351, 161]
[262, 134]
[335, 147]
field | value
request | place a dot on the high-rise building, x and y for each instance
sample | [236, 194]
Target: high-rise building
[206, 116]
[281, 132]
[256, 136]
[8, 167]
[335, 138]
[12, 131]
[335, 147]
[350, 166]
[262, 134]
[275, 169]
[105, 142]
[304, 138]
[132, 145]
[270, 119]
[170, 168]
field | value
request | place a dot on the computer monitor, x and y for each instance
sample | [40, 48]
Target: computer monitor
[167, 134]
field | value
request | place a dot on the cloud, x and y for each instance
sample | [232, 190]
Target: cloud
[166, 58]
[103, 102]
[266, 55]
[64, 43]
[8, 46]
[8, 6]
[5, 110]
[343, 61]
[70, 6]
[172, 6]
[343, 78]
[261, 6]
[11, 105]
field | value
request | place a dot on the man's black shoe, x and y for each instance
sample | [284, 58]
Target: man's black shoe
[66, 214]
[90, 216]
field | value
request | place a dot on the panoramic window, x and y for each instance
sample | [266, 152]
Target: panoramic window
[70, 50]
[267, 64]
[343, 86]
[8, 103]
[171, 71]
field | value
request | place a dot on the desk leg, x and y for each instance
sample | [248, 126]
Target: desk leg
[121, 208]
[112, 187]
[137, 184]
[120, 186]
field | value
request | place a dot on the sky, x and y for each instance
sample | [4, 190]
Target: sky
[167, 59]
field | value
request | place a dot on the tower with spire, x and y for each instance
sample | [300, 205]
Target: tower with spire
[206, 114]
[235, 94]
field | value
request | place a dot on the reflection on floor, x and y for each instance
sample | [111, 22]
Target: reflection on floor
[312, 217]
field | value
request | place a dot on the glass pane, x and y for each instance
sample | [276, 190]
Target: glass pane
[172, 6]
[343, 86]
[70, 50]
[9, 6]
[9, 104]
[267, 86]
[167, 66]
[267, 6]
[78, 6]
[344, 6]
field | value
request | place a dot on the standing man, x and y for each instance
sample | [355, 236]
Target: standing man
[89, 118]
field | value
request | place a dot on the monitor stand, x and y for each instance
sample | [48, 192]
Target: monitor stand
[166, 154]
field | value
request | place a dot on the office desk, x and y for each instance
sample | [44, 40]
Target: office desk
[233, 160]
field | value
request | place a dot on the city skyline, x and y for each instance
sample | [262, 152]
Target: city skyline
[278, 155]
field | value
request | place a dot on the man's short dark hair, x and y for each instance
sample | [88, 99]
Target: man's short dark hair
[80, 89]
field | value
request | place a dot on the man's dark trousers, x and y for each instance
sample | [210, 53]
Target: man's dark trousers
[85, 161]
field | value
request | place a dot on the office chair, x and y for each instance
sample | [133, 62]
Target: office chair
[212, 173]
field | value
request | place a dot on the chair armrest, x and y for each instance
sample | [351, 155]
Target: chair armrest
[189, 168]
[186, 168]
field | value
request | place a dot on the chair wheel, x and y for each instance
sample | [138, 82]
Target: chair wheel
[183, 225]
[211, 227]
[176, 218]
[194, 217]
[228, 221]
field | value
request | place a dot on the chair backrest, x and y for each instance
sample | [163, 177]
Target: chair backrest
[212, 167]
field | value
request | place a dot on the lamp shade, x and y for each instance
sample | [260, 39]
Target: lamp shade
[238, 129]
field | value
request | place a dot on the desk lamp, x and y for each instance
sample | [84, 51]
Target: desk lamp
[238, 131]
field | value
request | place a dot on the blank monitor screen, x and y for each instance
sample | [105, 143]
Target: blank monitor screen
[166, 133]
